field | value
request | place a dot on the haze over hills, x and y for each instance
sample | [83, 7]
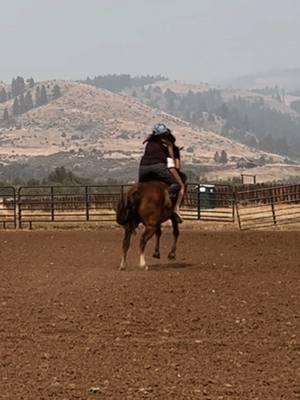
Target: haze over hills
[288, 79]
[96, 132]
[267, 118]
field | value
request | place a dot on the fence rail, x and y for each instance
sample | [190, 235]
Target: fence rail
[260, 206]
[256, 205]
[8, 210]
[67, 204]
[209, 203]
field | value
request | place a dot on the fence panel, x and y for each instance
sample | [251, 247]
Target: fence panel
[8, 217]
[209, 203]
[261, 206]
[49, 204]
[62, 204]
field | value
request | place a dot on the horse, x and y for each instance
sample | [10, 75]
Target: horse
[148, 203]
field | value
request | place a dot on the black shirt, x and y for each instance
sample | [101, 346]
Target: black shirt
[155, 153]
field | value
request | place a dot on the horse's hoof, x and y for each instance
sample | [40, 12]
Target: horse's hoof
[156, 255]
[146, 268]
[172, 256]
[122, 267]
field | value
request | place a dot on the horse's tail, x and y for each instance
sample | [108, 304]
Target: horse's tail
[127, 209]
[122, 211]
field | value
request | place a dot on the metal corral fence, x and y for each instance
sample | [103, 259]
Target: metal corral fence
[8, 216]
[71, 204]
[256, 206]
[209, 203]
[74, 204]
[264, 205]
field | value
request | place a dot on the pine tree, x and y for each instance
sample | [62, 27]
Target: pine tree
[217, 157]
[17, 86]
[16, 107]
[56, 93]
[223, 157]
[22, 104]
[38, 96]
[3, 95]
[21, 85]
[28, 101]
[6, 115]
[13, 88]
[44, 97]
[30, 82]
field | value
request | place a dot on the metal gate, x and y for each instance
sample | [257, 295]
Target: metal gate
[209, 203]
[8, 212]
[262, 206]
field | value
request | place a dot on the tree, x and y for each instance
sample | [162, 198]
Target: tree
[16, 107]
[22, 104]
[62, 176]
[170, 97]
[28, 101]
[246, 123]
[33, 182]
[224, 111]
[217, 157]
[30, 82]
[44, 97]
[13, 88]
[17, 86]
[37, 96]
[56, 92]
[223, 157]
[211, 118]
[5, 115]
[3, 95]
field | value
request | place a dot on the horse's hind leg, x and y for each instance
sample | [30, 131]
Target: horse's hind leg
[126, 244]
[148, 233]
[172, 254]
[156, 253]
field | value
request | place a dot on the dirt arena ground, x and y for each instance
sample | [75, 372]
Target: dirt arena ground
[222, 322]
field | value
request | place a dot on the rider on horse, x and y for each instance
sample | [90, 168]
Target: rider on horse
[160, 162]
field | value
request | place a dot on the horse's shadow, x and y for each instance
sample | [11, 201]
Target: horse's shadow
[169, 265]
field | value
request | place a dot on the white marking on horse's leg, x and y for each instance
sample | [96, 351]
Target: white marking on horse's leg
[143, 262]
[123, 264]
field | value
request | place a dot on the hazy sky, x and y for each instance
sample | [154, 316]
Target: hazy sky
[192, 40]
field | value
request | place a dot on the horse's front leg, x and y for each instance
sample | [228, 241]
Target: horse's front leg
[126, 244]
[156, 253]
[172, 253]
[147, 235]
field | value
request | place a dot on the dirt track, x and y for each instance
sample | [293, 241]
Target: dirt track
[223, 322]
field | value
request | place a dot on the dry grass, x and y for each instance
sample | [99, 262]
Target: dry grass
[91, 118]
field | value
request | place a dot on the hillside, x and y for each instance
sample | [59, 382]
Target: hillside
[88, 121]
[265, 118]
[289, 79]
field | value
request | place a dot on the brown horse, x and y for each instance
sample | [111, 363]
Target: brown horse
[148, 203]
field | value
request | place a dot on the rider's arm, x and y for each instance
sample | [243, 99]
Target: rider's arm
[169, 146]
[177, 157]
